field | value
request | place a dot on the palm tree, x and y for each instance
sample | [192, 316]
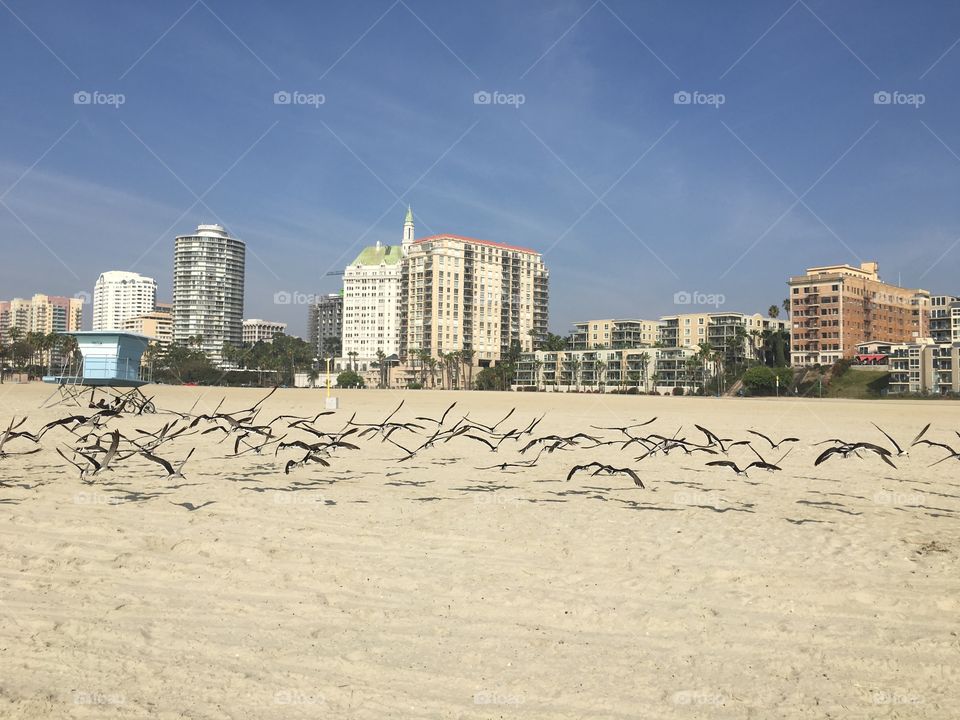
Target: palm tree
[425, 359]
[466, 356]
[600, 374]
[644, 363]
[704, 355]
[537, 368]
[353, 359]
[575, 371]
[786, 306]
[755, 337]
[382, 366]
[774, 311]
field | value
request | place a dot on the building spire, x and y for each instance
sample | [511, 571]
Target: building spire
[407, 231]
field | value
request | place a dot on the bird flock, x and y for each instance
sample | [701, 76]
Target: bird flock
[87, 443]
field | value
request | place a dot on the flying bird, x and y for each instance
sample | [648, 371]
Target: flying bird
[733, 466]
[773, 445]
[900, 451]
[167, 465]
[608, 469]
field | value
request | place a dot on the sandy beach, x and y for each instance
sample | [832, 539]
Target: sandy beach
[431, 589]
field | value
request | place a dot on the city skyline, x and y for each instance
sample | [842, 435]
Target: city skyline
[736, 146]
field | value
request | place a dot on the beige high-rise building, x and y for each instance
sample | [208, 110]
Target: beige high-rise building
[836, 307]
[41, 314]
[44, 314]
[156, 325]
[460, 293]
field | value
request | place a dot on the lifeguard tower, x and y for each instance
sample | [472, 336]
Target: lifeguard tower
[109, 360]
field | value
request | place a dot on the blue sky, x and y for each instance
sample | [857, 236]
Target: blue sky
[631, 196]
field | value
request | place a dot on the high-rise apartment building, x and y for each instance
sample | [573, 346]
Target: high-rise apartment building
[208, 284]
[371, 303]
[14, 314]
[441, 294]
[836, 307]
[325, 324]
[155, 325]
[120, 295]
[481, 296]
[44, 314]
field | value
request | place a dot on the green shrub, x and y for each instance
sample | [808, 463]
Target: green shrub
[349, 379]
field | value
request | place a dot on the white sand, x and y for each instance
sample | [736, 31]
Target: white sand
[426, 590]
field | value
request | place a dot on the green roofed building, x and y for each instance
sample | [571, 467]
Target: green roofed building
[371, 302]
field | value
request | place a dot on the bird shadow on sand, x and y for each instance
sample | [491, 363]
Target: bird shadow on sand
[745, 509]
[565, 493]
[410, 483]
[190, 507]
[828, 505]
[129, 497]
[837, 494]
[951, 511]
[637, 505]
[485, 488]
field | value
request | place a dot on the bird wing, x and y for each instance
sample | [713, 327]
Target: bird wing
[629, 471]
[159, 460]
[937, 444]
[760, 434]
[72, 462]
[825, 454]
[895, 444]
[920, 434]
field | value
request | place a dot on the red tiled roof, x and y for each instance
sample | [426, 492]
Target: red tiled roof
[503, 246]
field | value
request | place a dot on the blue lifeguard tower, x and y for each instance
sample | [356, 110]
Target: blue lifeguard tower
[109, 359]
